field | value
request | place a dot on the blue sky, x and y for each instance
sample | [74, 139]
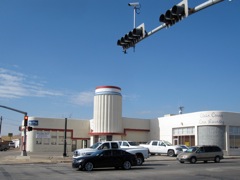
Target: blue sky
[54, 53]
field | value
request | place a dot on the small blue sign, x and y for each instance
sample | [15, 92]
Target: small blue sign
[33, 122]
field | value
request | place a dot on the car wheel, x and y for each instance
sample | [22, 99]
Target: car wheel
[171, 153]
[80, 167]
[88, 166]
[127, 165]
[217, 159]
[139, 160]
[181, 162]
[193, 160]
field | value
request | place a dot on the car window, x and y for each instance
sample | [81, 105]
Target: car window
[107, 153]
[162, 144]
[104, 146]
[154, 143]
[114, 145]
[124, 144]
[133, 143]
[191, 149]
[201, 149]
[216, 149]
[208, 149]
[168, 143]
[94, 146]
[116, 153]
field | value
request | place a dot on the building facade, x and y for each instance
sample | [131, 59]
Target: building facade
[203, 128]
[198, 128]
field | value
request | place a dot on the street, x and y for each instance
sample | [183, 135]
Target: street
[153, 168]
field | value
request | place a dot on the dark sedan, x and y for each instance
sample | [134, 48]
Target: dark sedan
[106, 158]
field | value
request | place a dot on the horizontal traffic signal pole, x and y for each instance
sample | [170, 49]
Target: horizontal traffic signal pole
[191, 11]
[177, 11]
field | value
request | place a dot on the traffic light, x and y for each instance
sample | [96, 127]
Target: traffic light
[25, 120]
[132, 38]
[29, 128]
[176, 14]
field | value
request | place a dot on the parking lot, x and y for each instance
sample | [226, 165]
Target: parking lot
[156, 167]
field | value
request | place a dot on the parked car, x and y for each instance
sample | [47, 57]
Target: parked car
[201, 153]
[4, 147]
[11, 144]
[162, 147]
[105, 158]
[184, 147]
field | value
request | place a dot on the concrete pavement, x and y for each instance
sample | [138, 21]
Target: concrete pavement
[13, 157]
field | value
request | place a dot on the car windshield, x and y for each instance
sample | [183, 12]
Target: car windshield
[96, 153]
[184, 147]
[133, 143]
[191, 149]
[167, 143]
[94, 146]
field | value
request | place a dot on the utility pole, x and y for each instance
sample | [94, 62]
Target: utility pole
[1, 127]
[24, 152]
[65, 139]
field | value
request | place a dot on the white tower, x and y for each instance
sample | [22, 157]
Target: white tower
[107, 115]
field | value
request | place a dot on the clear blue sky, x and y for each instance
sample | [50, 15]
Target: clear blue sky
[54, 53]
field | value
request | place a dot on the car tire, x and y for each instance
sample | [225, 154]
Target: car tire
[193, 160]
[88, 166]
[126, 165]
[181, 162]
[171, 153]
[217, 159]
[139, 160]
[80, 168]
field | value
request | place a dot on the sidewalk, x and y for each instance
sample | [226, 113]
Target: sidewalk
[37, 157]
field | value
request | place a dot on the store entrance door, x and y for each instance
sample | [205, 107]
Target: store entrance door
[175, 141]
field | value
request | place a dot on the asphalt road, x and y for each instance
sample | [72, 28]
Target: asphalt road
[156, 167]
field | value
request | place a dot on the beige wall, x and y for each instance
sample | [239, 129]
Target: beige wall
[136, 129]
[136, 123]
[48, 134]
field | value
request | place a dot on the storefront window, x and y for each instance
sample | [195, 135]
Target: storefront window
[184, 135]
[43, 137]
[60, 140]
[54, 138]
[46, 141]
[234, 137]
[184, 131]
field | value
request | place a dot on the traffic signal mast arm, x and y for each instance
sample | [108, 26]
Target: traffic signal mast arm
[191, 11]
[172, 16]
[16, 110]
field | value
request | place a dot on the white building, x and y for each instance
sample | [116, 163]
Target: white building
[201, 128]
[207, 127]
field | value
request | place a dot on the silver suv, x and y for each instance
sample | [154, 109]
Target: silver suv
[201, 153]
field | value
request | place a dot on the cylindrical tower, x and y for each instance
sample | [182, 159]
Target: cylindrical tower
[107, 110]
